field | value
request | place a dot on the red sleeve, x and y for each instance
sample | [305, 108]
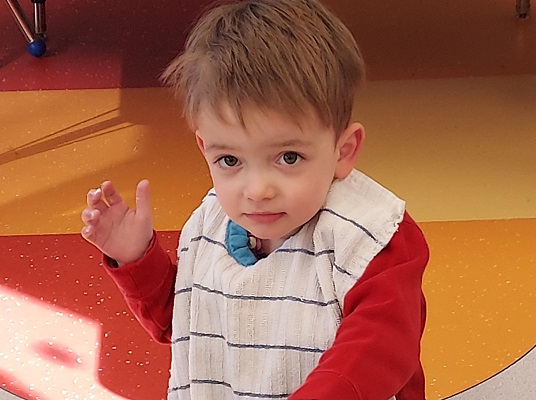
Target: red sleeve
[148, 286]
[376, 352]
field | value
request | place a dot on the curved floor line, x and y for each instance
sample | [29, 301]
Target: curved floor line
[7, 395]
[487, 380]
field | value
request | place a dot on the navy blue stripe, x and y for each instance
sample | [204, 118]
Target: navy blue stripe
[258, 346]
[287, 250]
[306, 251]
[240, 394]
[297, 250]
[235, 392]
[184, 249]
[343, 271]
[176, 388]
[181, 291]
[212, 241]
[276, 347]
[209, 335]
[181, 339]
[356, 224]
[266, 298]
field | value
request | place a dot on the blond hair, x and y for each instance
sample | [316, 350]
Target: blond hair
[287, 56]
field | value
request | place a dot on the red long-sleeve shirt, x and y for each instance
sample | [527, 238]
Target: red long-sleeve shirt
[376, 351]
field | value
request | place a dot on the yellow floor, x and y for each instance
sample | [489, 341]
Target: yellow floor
[459, 149]
[446, 146]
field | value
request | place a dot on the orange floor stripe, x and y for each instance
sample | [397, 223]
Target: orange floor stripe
[481, 288]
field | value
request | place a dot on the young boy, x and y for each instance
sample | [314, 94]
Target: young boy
[298, 276]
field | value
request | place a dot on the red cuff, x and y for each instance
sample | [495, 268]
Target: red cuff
[140, 278]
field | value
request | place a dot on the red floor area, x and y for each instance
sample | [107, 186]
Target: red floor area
[105, 44]
[64, 271]
[119, 43]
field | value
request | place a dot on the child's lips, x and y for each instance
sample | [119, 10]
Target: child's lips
[264, 217]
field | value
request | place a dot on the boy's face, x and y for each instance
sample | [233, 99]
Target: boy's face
[272, 176]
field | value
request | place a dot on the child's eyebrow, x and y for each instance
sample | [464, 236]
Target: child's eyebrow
[218, 147]
[283, 144]
[291, 143]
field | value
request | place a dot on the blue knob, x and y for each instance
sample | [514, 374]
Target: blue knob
[37, 47]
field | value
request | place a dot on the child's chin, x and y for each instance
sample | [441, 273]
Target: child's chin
[279, 236]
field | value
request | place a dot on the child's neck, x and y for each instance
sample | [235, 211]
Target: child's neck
[269, 245]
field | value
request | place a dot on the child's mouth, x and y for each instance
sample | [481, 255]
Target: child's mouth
[265, 217]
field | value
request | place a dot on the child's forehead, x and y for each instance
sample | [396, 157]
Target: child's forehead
[251, 117]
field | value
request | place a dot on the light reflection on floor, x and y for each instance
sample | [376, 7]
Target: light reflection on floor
[84, 333]
[50, 350]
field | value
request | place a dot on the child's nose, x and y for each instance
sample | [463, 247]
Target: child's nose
[260, 186]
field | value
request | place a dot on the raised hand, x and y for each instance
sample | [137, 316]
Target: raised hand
[120, 232]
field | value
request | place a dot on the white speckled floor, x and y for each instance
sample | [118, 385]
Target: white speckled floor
[450, 113]
[515, 382]
[5, 395]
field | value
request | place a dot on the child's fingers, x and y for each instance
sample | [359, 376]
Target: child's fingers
[94, 200]
[90, 216]
[143, 200]
[88, 233]
[111, 195]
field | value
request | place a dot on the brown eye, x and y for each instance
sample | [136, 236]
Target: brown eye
[228, 161]
[290, 158]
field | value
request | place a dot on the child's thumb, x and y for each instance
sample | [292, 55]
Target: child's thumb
[143, 200]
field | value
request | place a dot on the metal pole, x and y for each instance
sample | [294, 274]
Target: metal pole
[40, 21]
[36, 44]
[522, 9]
[15, 9]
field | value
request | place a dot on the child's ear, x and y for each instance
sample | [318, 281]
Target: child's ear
[200, 142]
[348, 147]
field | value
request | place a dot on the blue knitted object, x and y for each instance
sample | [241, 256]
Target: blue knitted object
[237, 240]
